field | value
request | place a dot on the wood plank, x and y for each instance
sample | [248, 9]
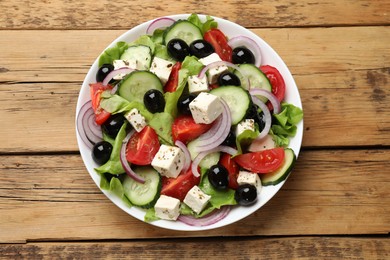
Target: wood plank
[227, 248]
[58, 14]
[342, 74]
[306, 51]
[329, 193]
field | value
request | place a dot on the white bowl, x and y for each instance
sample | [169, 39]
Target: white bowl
[269, 57]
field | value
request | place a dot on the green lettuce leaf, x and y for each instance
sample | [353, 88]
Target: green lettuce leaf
[114, 165]
[113, 53]
[144, 40]
[203, 26]
[117, 104]
[158, 36]
[218, 198]
[245, 139]
[190, 66]
[285, 122]
[162, 124]
[150, 215]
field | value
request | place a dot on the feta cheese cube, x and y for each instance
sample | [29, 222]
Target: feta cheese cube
[249, 178]
[197, 85]
[162, 68]
[167, 208]
[205, 108]
[213, 73]
[136, 119]
[247, 124]
[169, 161]
[196, 199]
[123, 64]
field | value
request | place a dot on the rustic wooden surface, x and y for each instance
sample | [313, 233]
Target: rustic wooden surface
[335, 205]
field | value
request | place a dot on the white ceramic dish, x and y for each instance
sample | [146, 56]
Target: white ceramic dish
[269, 57]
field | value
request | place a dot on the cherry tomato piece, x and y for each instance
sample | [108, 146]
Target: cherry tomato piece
[179, 186]
[219, 41]
[142, 147]
[185, 129]
[96, 90]
[261, 162]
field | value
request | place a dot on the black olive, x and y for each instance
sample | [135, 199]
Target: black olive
[178, 49]
[201, 48]
[230, 140]
[154, 101]
[254, 114]
[243, 55]
[103, 71]
[228, 79]
[184, 102]
[113, 125]
[218, 177]
[101, 152]
[246, 194]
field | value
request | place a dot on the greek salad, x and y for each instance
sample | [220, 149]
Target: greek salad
[187, 123]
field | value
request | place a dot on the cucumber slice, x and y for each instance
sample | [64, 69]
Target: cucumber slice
[134, 86]
[237, 99]
[183, 30]
[281, 174]
[208, 161]
[143, 195]
[256, 77]
[139, 56]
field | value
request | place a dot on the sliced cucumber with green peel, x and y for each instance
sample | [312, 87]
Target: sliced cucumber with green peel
[208, 161]
[139, 56]
[143, 195]
[134, 86]
[237, 99]
[183, 30]
[282, 173]
[256, 78]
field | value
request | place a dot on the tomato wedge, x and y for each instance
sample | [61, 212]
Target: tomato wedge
[219, 41]
[261, 162]
[179, 186]
[173, 79]
[96, 90]
[142, 146]
[277, 82]
[232, 168]
[185, 129]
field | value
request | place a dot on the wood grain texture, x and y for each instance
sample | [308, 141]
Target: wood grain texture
[329, 193]
[121, 14]
[213, 248]
[343, 75]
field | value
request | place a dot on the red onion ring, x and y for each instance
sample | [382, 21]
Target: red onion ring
[202, 73]
[242, 40]
[187, 154]
[162, 22]
[221, 133]
[201, 155]
[125, 163]
[207, 220]
[267, 114]
[211, 132]
[90, 133]
[113, 73]
[96, 130]
[271, 97]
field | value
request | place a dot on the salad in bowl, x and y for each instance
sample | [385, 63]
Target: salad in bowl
[189, 122]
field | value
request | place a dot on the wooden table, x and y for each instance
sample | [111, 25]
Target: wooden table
[335, 205]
